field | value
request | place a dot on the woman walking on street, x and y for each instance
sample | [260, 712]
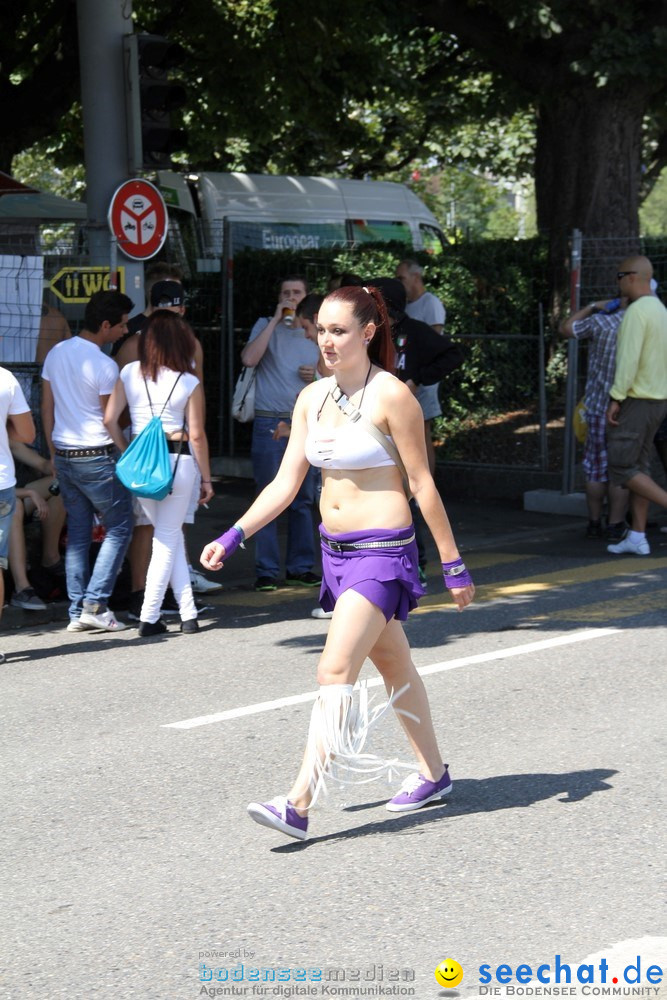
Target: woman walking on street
[370, 566]
[161, 383]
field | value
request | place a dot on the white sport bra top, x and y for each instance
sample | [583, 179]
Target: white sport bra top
[347, 446]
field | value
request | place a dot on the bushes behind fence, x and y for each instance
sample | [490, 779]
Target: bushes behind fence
[491, 290]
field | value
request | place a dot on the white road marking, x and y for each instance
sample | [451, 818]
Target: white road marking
[433, 668]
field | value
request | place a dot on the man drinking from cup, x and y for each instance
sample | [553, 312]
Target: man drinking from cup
[277, 349]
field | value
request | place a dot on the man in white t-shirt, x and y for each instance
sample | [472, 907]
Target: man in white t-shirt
[77, 381]
[16, 423]
[426, 307]
[422, 305]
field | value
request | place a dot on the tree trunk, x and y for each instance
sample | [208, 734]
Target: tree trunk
[587, 168]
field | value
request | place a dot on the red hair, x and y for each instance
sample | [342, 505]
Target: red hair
[166, 342]
[368, 306]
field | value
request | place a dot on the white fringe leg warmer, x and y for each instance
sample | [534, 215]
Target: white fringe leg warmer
[340, 724]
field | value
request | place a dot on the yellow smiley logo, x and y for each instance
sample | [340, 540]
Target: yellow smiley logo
[449, 973]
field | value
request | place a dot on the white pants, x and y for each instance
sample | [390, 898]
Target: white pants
[169, 563]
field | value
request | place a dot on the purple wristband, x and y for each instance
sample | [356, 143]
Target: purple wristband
[230, 541]
[456, 575]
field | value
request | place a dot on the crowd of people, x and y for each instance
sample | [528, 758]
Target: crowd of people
[89, 521]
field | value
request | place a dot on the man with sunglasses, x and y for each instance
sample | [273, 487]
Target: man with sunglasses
[638, 398]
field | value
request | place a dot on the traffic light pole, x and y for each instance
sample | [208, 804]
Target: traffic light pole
[102, 25]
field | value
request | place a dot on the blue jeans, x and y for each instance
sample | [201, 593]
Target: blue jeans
[7, 507]
[89, 486]
[267, 455]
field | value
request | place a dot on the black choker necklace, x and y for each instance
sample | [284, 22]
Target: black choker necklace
[368, 375]
[363, 390]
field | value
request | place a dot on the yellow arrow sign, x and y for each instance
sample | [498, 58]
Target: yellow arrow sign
[77, 284]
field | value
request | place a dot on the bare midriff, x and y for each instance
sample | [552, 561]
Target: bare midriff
[363, 499]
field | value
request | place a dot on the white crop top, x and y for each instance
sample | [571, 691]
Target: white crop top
[141, 410]
[347, 446]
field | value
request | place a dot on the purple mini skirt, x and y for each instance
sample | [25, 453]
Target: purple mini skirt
[387, 577]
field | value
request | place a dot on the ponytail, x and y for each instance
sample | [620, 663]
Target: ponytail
[381, 348]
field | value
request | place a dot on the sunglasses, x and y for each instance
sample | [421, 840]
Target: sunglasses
[622, 274]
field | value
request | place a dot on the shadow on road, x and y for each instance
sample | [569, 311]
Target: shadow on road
[504, 791]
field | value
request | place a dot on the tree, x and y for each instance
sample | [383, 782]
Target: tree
[593, 72]
[368, 89]
[39, 82]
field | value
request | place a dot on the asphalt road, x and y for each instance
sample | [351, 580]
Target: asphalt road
[131, 870]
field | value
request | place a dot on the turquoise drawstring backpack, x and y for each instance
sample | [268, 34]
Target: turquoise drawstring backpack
[144, 468]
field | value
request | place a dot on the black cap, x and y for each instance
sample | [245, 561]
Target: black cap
[393, 293]
[166, 293]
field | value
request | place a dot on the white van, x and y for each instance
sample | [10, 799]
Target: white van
[266, 212]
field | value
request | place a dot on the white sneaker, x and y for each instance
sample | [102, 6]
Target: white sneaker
[76, 626]
[321, 613]
[105, 620]
[640, 548]
[201, 584]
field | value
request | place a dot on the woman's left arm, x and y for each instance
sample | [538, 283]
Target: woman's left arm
[406, 426]
[194, 412]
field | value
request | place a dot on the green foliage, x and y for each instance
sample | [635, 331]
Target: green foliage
[491, 290]
[653, 213]
[35, 166]
[469, 205]
[380, 88]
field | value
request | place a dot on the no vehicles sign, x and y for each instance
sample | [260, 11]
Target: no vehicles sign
[138, 219]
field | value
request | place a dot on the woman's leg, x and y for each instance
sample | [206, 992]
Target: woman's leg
[52, 528]
[181, 583]
[168, 549]
[18, 559]
[391, 656]
[355, 629]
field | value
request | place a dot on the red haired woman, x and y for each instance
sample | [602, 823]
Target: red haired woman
[162, 383]
[369, 556]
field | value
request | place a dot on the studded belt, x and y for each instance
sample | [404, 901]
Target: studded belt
[106, 449]
[390, 543]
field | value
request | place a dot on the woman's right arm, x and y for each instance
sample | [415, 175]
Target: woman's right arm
[115, 407]
[280, 492]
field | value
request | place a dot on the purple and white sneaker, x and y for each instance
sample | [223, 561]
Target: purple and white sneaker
[280, 814]
[417, 790]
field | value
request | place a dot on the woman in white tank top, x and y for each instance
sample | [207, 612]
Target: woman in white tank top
[162, 383]
[369, 557]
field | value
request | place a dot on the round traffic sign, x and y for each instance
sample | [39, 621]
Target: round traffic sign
[138, 219]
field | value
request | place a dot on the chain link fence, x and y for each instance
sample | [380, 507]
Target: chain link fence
[494, 407]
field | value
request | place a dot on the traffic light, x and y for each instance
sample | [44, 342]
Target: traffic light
[150, 98]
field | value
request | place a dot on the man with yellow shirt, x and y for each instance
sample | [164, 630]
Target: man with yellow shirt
[638, 401]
